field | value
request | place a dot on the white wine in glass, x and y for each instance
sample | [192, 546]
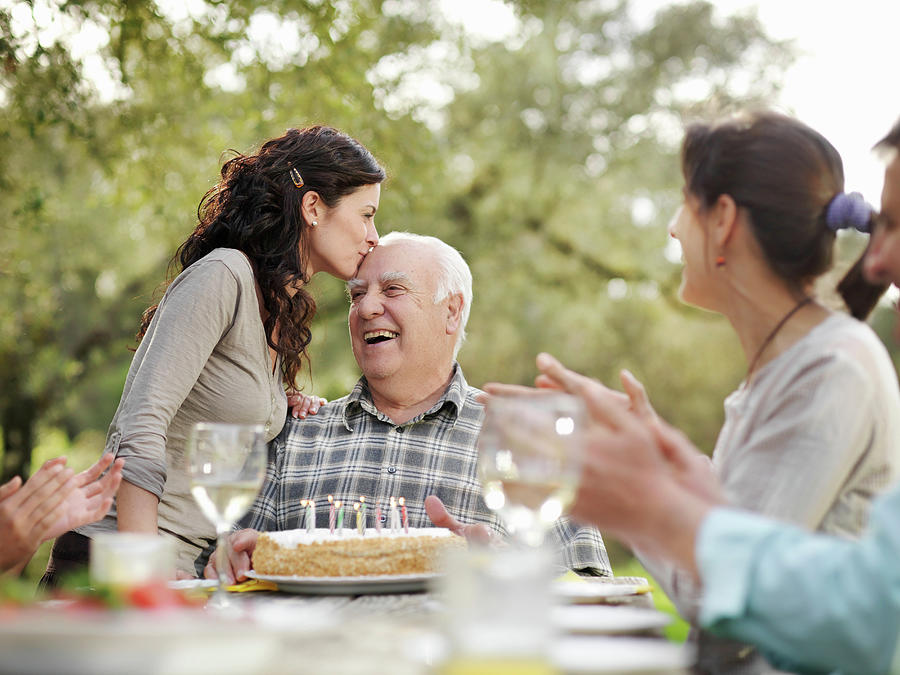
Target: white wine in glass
[224, 502]
[227, 464]
[529, 459]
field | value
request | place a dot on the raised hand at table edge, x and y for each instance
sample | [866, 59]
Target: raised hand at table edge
[503, 389]
[241, 545]
[554, 375]
[637, 395]
[685, 462]
[440, 517]
[690, 467]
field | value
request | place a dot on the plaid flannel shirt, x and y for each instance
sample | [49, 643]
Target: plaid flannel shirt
[350, 449]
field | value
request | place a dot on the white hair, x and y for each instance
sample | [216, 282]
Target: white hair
[454, 274]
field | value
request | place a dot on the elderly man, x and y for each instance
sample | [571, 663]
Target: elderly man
[410, 425]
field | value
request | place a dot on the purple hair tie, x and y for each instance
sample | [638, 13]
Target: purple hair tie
[848, 210]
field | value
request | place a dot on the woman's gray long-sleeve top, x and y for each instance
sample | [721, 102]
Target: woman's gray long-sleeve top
[204, 358]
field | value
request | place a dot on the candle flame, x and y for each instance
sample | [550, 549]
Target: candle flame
[311, 503]
[402, 501]
[362, 499]
[393, 501]
[337, 504]
[330, 499]
[302, 502]
[356, 506]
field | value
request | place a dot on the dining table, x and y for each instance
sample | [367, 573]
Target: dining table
[596, 625]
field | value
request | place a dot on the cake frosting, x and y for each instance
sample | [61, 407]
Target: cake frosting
[322, 554]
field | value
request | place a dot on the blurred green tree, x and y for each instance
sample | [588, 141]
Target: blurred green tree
[562, 174]
[548, 158]
[100, 183]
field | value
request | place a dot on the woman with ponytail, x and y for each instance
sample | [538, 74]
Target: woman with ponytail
[230, 334]
[812, 434]
[811, 602]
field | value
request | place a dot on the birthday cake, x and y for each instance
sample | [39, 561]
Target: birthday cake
[322, 554]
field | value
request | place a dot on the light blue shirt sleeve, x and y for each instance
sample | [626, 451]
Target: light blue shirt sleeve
[808, 601]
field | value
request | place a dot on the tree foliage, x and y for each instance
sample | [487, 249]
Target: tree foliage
[548, 159]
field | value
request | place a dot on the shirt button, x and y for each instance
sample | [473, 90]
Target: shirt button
[399, 430]
[392, 469]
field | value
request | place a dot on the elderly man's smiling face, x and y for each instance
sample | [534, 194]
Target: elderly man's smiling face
[397, 330]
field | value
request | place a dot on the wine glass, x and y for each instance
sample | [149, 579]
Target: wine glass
[529, 459]
[226, 465]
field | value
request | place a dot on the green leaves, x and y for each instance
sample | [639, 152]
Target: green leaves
[532, 155]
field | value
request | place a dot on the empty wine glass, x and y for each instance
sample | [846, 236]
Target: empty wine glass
[529, 459]
[226, 464]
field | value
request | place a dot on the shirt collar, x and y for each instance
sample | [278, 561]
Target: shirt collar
[454, 395]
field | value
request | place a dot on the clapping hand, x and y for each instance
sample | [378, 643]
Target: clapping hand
[92, 496]
[556, 376]
[631, 454]
[54, 500]
[634, 397]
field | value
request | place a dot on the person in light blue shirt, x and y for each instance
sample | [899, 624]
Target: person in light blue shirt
[812, 603]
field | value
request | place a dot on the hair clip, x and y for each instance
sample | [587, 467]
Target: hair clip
[296, 177]
[848, 210]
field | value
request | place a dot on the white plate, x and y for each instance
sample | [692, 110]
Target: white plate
[606, 619]
[595, 655]
[392, 583]
[582, 655]
[190, 584]
[593, 591]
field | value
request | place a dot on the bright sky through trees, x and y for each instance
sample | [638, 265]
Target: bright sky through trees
[843, 80]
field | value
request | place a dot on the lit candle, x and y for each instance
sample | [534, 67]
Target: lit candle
[405, 518]
[302, 513]
[310, 516]
[378, 517]
[360, 523]
[340, 518]
[330, 514]
[395, 517]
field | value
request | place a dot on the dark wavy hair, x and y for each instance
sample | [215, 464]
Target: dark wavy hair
[256, 208]
[784, 174]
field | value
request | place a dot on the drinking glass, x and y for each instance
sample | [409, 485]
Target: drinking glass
[226, 465]
[529, 459]
[498, 611]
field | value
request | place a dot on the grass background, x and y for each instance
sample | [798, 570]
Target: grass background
[677, 630]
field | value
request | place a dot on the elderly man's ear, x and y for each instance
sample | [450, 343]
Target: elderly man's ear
[454, 313]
